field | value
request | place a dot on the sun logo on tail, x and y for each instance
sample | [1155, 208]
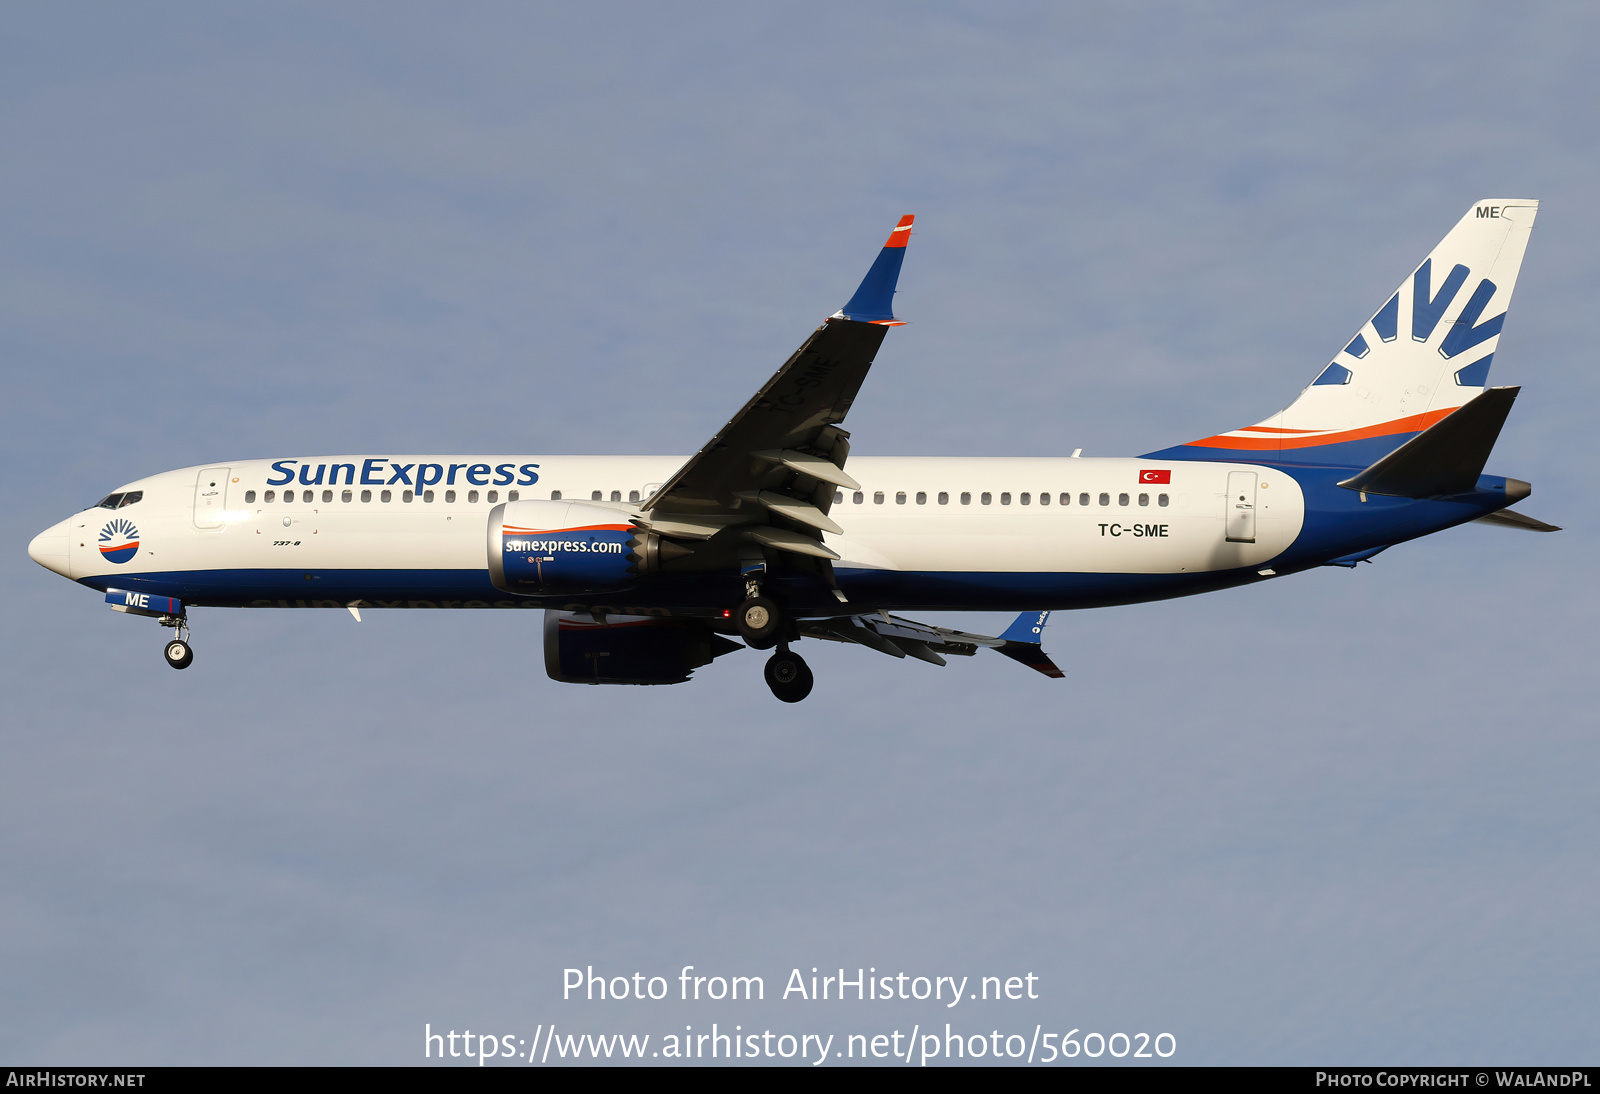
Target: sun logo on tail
[119, 541]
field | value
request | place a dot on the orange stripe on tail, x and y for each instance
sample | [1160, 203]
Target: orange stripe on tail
[1414, 424]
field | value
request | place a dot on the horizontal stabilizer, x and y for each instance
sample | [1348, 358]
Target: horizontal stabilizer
[1445, 458]
[1505, 518]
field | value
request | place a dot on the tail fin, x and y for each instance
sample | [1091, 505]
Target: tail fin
[1425, 353]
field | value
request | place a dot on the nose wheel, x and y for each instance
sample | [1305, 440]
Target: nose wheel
[179, 654]
[788, 676]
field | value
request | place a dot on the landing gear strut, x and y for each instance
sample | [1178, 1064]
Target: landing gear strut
[788, 676]
[179, 654]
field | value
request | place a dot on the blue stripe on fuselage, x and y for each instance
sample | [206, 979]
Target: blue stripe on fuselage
[866, 590]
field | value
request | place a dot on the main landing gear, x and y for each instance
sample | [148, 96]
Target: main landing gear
[179, 654]
[760, 622]
[788, 675]
[762, 626]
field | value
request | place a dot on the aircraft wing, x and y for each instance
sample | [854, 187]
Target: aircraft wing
[897, 637]
[780, 458]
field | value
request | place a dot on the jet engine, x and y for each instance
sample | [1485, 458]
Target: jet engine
[541, 548]
[627, 649]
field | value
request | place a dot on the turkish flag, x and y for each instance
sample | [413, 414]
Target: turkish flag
[1163, 477]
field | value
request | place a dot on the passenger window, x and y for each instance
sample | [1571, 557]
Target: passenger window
[1025, 499]
[249, 497]
[986, 497]
[1144, 499]
[838, 497]
[427, 496]
[269, 495]
[366, 495]
[616, 495]
[1105, 499]
[555, 495]
[922, 498]
[633, 495]
[858, 497]
[308, 496]
[1044, 499]
[511, 495]
[966, 498]
[327, 496]
[1161, 500]
[345, 495]
[595, 496]
[407, 496]
[387, 495]
[944, 498]
[900, 497]
[1005, 499]
[1122, 499]
[494, 496]
[1083, 499]
[877, 498]
[472, 497]
[1066, 499]
[132, 497]
[449, 496]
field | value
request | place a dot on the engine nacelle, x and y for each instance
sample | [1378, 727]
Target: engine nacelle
[542, 548]
[627, 649]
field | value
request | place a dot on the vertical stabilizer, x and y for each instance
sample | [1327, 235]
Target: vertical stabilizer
[1424, 353]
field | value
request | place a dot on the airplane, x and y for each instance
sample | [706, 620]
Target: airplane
[649, 567]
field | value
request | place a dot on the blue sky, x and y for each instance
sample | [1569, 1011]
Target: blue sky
[1344, 818]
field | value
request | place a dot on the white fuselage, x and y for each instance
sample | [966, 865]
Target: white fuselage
[221, 527]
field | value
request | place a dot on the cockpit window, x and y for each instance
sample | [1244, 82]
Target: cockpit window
[120, 501]
[130, 498]
[110, 501]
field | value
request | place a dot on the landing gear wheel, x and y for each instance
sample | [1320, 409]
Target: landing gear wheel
[179, 655]
[788, 676]
[759, 622]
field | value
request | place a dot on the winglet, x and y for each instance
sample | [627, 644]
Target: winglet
[874, 300]
[1022, 640]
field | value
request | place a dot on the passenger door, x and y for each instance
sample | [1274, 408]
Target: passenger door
[210, 498]
[1241, 513]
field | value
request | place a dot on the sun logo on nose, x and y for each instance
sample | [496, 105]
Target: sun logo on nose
[119, 541]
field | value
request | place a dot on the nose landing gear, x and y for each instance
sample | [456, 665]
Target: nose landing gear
[788, 676]
[179, 654]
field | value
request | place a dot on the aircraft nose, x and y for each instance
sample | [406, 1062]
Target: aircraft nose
[49, 548]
